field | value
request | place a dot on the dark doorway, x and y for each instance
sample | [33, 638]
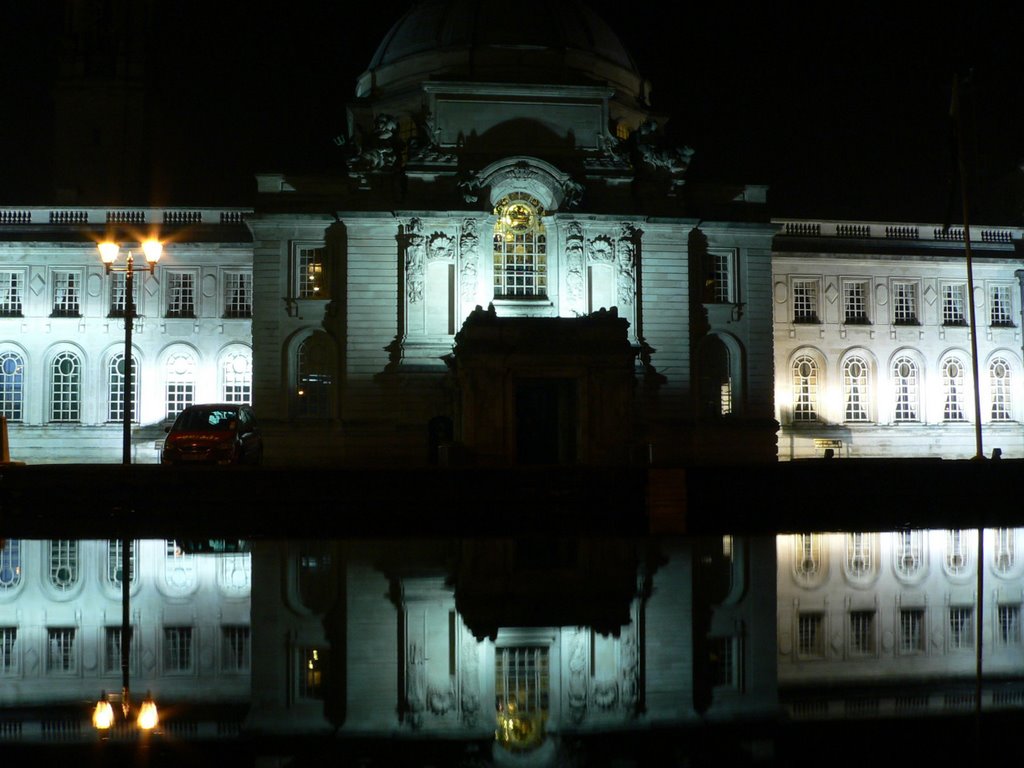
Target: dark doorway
[546, 421]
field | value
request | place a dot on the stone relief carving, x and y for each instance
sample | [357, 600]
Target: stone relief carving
[606, 694]
[440, 247]
[578, 676]
[614, 156]
[564, 192]
[469, 253]
[440, 700]
[415, 256]
[601, 250]
[626, 251]
[415, 686]
[470, 680]
[574, 265]
[629, 672]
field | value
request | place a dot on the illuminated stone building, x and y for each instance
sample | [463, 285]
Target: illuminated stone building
[62, 326]
[61, 624]
[872, 340]
[884, 624]
[517, 170]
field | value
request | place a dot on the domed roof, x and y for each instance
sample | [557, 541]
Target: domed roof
[550, 41]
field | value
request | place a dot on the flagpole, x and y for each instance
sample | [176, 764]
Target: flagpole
[962, 169]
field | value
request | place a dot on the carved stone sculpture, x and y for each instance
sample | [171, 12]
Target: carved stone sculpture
[574, 265]
[415, 256]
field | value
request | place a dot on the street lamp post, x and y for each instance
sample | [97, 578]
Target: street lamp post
[152, 250]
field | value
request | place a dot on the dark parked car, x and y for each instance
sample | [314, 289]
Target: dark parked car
[214, 433]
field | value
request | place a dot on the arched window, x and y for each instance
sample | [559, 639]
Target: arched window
[905, 389]
[115, 382]
[180, 383]
[65, 387]
[908, 556]
[859, 560]
[520, 248]
[999, 389]
[12, 385]
[1004, 549]
[10, 565]
[855, 389]
[236, 377]
[805, 389]
[63, 564]
[115, 562]
[315, 377]
[952, 390]
[716, 389]
[806, 555]
[179, 567]
[958, 552]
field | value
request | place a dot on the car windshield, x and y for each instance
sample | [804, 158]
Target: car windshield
[205, 420]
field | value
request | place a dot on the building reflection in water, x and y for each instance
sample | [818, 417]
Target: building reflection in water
[522, 644]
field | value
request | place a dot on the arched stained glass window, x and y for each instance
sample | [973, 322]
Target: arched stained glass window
[520, 249]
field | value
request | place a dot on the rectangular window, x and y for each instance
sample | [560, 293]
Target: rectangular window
[810, 635]
[238, 294]
[60, 654]
[855, 302]
[961, 628]
[1009, 624]
[112, 649]
[722, 275]
[177, 649]
[313, 666]
[862, 633]
[520, 256]
[181, 294]
[235, 649]
[10, 293]
[725, 661]
[1001, 306]
[118, 294]
[311, 272]
[904, 303]
[805, 301]
[8, 650]
[911, 630]
[953, 305]
[66, 294]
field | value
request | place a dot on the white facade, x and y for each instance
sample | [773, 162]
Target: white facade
[62, 327]
[887, 621]
[872, 340]
[61, 619]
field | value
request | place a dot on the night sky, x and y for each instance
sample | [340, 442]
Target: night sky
[843, 115]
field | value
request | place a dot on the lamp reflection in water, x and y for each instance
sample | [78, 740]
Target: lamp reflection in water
[103, 715]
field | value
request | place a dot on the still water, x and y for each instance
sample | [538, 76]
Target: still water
[528, 651]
